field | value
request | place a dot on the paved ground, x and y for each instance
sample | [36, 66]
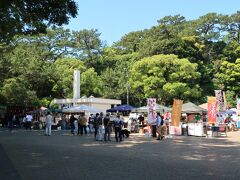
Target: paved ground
[30, 155]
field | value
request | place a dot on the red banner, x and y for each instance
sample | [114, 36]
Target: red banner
[212, 110]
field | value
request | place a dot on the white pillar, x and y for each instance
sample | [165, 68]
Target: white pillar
[76, 84]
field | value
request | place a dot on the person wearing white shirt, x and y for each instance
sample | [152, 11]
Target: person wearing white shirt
[49, 120]
[29, 121]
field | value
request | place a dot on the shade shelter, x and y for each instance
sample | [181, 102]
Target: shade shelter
[159, 108]
[81, 108]
[204, 106]
[121, 108]
[191, 108]
[231, 111]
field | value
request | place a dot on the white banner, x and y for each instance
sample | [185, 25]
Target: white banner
[220, 104]
[152, 114]
[238, 107]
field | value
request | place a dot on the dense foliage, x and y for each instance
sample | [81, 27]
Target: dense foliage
[174, 59]
[30, 17]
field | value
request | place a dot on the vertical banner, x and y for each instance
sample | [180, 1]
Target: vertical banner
[225, 106]
[176, 112]
[218, 94]
[238, 106]
[152, 114]
[212, 110]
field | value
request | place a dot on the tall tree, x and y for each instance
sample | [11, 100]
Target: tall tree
[228, 76]
[130, 42]
[89, 46]
[234, 27]
[26, 63]
[64, 70]
[115, 78]
[165, 77]
[30, 17]
[15, 92]
[55, 43]
[210, 26]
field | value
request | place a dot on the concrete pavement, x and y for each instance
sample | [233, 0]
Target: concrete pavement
[31, 155]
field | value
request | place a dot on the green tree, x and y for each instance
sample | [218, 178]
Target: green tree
[55, 43]
[91, 83]
[27, 63]
[15, 92]
[130, 42]
[29, 17]
[166, 77]
[115, 78]
[210, 26]
[64, 70]
[231, 51]
[228, 76]
[89, 47]
[233, 28]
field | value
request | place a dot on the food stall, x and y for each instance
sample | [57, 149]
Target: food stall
[195, 118]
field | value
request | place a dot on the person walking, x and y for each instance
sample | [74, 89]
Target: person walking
[76, 126]
[72, 119]
[90, 123]
[108, 128]
[11, 117]
[29, 121]
[100, 131]
[95, 125]
[49, 120]
[118, 127]
[83, 124]
[159, 124]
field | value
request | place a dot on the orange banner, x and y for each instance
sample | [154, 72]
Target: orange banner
[176, 112]
[212, 110]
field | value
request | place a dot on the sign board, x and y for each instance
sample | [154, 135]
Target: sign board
[175, 130]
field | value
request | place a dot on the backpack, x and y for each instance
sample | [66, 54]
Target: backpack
[106, 121]
[161, 123]
[97, 121]
[118, 123]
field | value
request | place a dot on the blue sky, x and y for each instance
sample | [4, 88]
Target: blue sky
[115, 18]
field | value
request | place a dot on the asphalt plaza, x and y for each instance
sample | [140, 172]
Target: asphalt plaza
[31, 155]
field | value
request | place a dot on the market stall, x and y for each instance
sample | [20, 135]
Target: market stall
[195, 118]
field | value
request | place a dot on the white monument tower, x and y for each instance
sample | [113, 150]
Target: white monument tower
[76, 85]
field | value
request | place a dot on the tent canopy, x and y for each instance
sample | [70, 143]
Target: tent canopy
[192, 108]
[39, 110]
[204, 106]
[159, 108]
[121, 108]
[231, 111]
[81, 108]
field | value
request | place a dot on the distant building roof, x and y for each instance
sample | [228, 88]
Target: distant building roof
[87, 100]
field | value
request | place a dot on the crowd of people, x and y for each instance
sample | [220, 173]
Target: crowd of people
[100, 125]
[79, 124]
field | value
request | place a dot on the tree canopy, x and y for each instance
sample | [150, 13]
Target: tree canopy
[31, 17]
[177, 58]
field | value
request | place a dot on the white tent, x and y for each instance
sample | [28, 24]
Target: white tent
[159, 108]
[81, 108]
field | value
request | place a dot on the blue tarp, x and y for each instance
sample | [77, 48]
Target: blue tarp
[121, 108]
